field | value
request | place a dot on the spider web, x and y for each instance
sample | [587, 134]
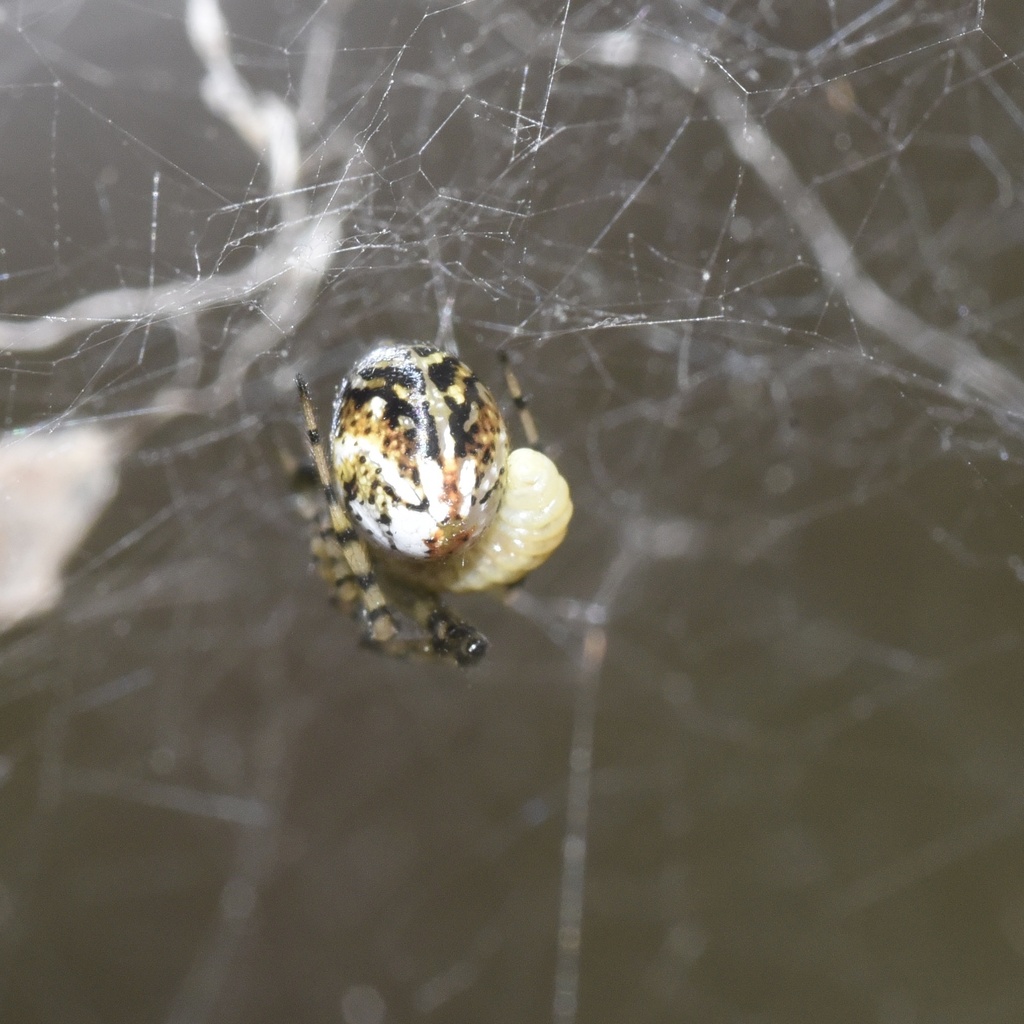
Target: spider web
[748, 748]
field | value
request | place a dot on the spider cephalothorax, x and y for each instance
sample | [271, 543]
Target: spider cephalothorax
[421, 486]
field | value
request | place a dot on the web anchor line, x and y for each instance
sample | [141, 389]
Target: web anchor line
[577, 818]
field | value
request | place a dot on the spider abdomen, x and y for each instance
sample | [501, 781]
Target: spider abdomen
[419, 449]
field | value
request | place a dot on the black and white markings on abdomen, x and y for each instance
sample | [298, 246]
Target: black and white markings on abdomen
[419, 448]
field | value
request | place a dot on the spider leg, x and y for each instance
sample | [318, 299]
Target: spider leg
[323, 545]
[450, 636]
[333, 567]
[378, 622]
[529, 424]
[343, 562]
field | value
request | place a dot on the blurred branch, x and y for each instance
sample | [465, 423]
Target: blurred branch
[75, 469]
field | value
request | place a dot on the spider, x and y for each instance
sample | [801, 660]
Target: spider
[423, 497]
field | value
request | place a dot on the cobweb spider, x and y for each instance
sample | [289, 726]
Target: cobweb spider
[423, 498]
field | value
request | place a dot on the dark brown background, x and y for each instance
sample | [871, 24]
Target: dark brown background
[802, 550]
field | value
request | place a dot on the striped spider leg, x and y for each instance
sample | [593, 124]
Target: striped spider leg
[344, 561]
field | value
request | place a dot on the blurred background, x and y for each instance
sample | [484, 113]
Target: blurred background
[748, 748]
